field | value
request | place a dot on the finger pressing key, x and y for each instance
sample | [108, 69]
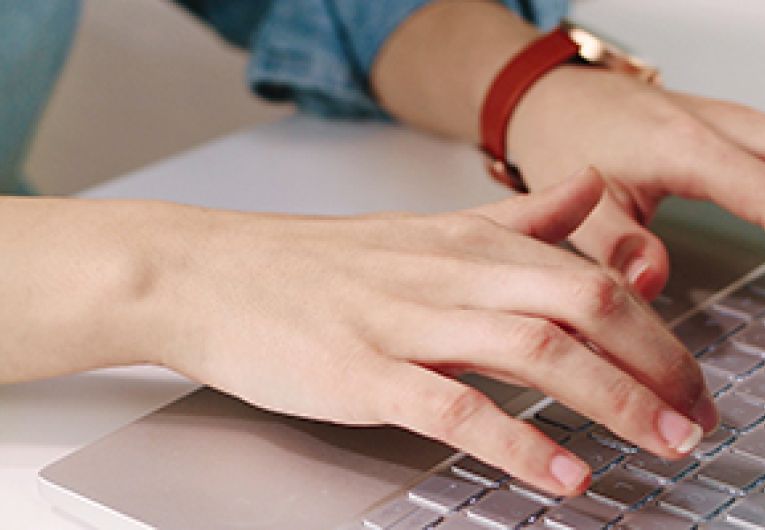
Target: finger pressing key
[542, 355]
[441, 408]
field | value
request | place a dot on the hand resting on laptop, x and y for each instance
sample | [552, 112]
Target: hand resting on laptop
[357, 320]
[647, 141]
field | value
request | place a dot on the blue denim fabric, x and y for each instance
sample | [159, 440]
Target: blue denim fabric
[35, 36]
[319, 53]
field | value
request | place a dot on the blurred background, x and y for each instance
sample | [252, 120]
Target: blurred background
[146, 80]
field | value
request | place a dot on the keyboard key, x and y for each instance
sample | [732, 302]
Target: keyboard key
[566, 518]
[713, 443]
[705, 328]
[417, 520]
[655, 518]
[668, 308]
[532, 492]
[757, 284]
[717, 381]
[752, 444]
[389, 514]
[461, 523]
[732, 473]
[553, 432]
[609, 439]
[717, 524]
[443, 493]
[664, 471]
[694, 500]
[752, 338]
[596, 508]
[753, 387]
[739, 414]
[731, 360]
[623, 488]
[476, 471]
[744, 303]
[504, 509]
[749, 512]
[597, 456]
[564, 417]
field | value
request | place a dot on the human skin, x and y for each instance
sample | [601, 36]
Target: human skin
[363, 320]
[646, 141]
[356, 320]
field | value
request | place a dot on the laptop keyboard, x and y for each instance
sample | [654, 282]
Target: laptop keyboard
[720, 486]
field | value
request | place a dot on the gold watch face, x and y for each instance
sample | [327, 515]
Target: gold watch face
[595, 50]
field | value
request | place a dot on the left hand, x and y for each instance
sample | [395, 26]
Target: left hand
[648, 143]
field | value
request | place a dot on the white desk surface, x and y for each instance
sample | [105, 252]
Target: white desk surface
[328, 168]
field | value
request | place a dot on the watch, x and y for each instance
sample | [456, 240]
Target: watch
[567, 43]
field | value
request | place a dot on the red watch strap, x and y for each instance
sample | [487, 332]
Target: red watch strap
[507, 89]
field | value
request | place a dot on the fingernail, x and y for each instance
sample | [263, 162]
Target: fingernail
[568, 471]
[704, 412]
[636, 271]
[679, 432]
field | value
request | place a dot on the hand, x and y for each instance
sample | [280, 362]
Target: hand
[356, 320]
[649, 143]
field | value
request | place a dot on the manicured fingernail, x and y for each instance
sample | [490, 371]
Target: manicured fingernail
[636, 272]
[679, 432]
[704, 412]
[568, 471]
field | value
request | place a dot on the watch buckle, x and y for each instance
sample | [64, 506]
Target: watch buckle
[505, 173]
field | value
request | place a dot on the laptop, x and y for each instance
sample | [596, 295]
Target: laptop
[209, 461]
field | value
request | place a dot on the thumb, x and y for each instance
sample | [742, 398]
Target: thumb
[552, 213]
[615, 239]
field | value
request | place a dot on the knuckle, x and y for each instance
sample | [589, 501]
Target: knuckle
[624, 398]
[601, 296]
[524, 441]
[451, 412]
[541, 340]
[686, 130]
[679, 132]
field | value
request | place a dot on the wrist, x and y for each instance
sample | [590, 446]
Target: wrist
[435, 69]
[79, 282]
[561, 118]
[125, 307]
[544, 107]
[167, 274]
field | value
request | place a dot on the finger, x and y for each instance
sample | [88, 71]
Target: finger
[544, 356]
[551, 214]
[484, 339]
[614, 238]
[742, 125]
[454, 413]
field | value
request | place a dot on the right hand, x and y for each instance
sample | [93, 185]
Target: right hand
[357, 321]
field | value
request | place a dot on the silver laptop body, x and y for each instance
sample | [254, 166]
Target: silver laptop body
[208, 461]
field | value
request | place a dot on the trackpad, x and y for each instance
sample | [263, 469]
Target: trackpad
[210, 461]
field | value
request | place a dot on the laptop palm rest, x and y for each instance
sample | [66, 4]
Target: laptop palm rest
[172, 468]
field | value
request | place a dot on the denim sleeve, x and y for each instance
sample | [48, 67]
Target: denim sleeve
[319, 53]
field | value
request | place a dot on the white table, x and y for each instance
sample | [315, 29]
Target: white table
[314, 167]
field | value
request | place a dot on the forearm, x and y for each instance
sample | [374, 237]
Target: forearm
[434, 71]
[76, 285]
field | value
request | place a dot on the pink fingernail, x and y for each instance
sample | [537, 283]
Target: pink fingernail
[568, 471]
[636, 271]
[679, 432]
